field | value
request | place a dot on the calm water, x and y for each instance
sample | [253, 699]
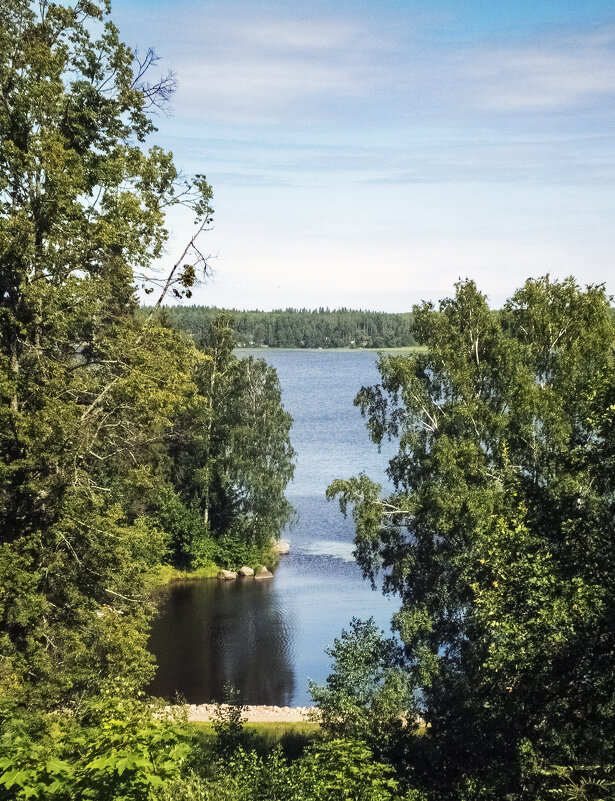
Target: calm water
[268, 638]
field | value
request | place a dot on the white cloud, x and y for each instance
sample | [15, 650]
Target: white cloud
[249, 82]
[552, 75]
[364, 162]
[278, 69]
[299, 35]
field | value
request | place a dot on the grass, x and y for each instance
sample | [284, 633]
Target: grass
[167, 574]
[264, 737]
[270, 730]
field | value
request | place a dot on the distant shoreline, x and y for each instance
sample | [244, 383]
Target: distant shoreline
[402, 349]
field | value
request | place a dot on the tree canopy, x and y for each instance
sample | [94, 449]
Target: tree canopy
[499, 534]
[96, 403]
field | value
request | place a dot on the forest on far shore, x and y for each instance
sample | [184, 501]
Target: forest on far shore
[300, 328]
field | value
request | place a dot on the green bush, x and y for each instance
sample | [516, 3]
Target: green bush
[366, 696]
[235, 548]
[339, 770]
[113, 750]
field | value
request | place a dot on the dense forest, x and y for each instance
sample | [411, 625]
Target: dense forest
[126, 445]
[300, 328]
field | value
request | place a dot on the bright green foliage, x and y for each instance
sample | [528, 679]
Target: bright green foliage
[499, 535]
[337, 770]
[124, 750]
[585, 783]
[346, 769]
[97, 405]
[367, 695]
[89, 396]
[113, 750]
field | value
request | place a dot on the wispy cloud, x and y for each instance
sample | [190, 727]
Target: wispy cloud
[422, 141]
[283, 71]
[553, 74]
[279, 70]
[299, 35]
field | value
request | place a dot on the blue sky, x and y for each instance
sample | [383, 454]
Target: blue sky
[368, 155]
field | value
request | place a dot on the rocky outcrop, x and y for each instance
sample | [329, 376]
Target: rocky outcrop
[245, 571]
[263, 573]
[227, 575]
[281, 547]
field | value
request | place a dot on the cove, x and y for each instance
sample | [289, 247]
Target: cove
[268, 639]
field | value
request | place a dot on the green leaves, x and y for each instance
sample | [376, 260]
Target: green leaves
[89, 397]
[234, 458]
[367, 697]
[114, 750]
[500, 531]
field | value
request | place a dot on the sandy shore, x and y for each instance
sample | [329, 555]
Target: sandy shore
[254, 714]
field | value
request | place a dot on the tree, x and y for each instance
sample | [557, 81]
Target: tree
[232, 464]
[366, 696]
[88, 395]
[499, 536]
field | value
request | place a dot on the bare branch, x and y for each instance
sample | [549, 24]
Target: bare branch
[157, 94]
[200, 261]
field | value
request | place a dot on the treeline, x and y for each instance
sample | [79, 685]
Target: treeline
[301, 328]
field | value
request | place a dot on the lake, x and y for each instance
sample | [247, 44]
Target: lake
[268, 638]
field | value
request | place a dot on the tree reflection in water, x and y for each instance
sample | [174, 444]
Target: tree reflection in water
[214, 633]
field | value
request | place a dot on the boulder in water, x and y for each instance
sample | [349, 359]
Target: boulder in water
[227, 575]
[282, 547]
[245, 571]
[263, 573]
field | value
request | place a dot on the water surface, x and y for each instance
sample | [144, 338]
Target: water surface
[268, 638]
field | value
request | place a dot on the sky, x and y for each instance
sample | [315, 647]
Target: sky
[369, 155]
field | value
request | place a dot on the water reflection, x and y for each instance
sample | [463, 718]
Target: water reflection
[216, 633]
[268, 638]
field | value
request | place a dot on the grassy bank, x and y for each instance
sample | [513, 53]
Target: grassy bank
[263, 737]
[166, 574]
[272, 731]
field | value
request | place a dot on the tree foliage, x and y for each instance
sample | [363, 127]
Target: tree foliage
[95, 402]
[112, 749]
[499, 534]
[232, 458]
[366, 697]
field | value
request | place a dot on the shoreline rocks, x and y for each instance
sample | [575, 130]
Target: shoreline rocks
[263, 573]
[282, 547]
[227, 575]
[204, 713]
[245, 571]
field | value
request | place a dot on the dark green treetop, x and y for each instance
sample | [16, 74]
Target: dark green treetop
[233, 465]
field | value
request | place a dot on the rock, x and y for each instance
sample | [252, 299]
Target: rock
[281, 547]
[263, 573]
[245, 571]
[227, 575]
